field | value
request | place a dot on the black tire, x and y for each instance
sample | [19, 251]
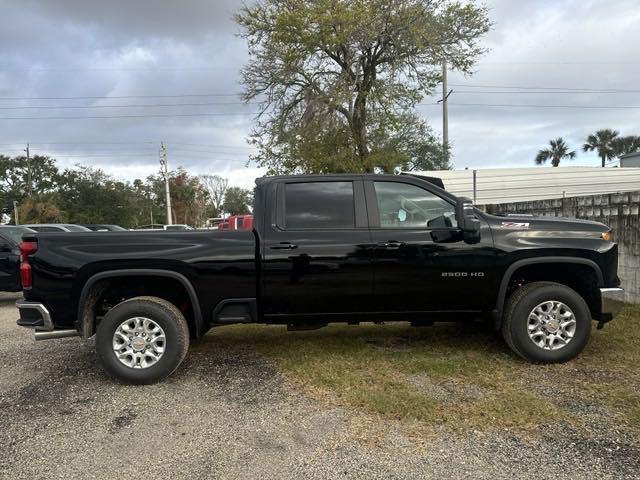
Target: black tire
[164, 314]
[516, 319]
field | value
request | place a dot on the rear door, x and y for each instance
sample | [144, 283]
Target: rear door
[317, 256]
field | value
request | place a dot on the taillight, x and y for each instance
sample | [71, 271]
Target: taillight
[26, 249]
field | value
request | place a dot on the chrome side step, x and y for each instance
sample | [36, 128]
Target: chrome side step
[56, 334]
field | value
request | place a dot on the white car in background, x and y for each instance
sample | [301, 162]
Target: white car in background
[57, 227]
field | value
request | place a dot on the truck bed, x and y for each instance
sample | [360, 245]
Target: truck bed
[219, 264]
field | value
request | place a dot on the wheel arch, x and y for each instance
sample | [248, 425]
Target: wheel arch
[538, 261]
[90, 293]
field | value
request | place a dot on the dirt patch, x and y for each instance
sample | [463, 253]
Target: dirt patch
[124, 420]
[447, 390]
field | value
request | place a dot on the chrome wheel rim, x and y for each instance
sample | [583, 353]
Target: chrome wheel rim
[551, 325]
[139, 342]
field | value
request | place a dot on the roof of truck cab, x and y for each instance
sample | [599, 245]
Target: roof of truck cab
[268, 179]
[432, 181]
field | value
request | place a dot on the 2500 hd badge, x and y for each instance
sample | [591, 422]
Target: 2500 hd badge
[462, 274]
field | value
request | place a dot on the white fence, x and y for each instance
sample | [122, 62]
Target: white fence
[502, 185]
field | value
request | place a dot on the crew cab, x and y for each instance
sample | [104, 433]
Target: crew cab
[325, 248]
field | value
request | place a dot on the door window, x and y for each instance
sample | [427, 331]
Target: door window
[402, 205]
[319, 205]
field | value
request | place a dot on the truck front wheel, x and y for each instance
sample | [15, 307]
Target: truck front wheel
[546, 322]
[142, 340]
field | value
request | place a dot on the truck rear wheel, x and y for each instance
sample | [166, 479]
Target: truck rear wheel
[142, 340]
[546, 322]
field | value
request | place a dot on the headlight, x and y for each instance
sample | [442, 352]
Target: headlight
[607, 236]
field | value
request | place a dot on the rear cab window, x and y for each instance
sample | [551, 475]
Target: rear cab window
[319, 205]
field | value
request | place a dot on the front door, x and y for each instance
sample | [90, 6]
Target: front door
[317, 256]
[422, 263]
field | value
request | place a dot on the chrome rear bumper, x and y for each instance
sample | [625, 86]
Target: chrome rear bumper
[46, 330]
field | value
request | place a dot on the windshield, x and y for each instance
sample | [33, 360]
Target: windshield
[178, 227]
[14, 233]
[76, 228]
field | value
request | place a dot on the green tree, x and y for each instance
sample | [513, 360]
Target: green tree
[89, 195]
[338, 80]
[237, 201]
[40, 209]
[148, 209]
[188, 196]
[14, 178]
[558, 150]
[603, 142]
[626, 145]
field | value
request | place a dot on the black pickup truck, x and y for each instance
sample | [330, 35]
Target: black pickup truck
[331, 248]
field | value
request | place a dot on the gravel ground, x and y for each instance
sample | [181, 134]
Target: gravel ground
[228, 414]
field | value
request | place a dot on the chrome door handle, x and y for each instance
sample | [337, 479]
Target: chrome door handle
[391, 244]
[284, 246]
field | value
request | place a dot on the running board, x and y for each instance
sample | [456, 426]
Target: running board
[233, 319]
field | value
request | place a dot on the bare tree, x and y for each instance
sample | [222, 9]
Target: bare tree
[217, 188]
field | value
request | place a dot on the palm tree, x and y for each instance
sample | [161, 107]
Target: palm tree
[558, 149]
[603, 141]
[625, 145]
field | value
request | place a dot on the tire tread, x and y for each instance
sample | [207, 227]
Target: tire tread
[181, 340]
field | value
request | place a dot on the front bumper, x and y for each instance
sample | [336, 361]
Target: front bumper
[36, 315]
[612, 301]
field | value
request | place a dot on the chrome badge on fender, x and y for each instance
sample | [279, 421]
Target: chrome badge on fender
[515, 225]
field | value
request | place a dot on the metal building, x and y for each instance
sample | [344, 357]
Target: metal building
[631, 160]
[503, 185]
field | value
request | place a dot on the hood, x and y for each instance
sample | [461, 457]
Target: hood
[528, 222]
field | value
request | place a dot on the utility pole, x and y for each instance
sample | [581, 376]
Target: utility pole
[445, 107]
[15, 213]
[165, 173]
[29, 187]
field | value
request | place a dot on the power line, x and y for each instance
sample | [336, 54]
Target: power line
[522, 105]
[546, 92]
[565, 89]
[77, 68]
[55, 107]
[117, 147]
[209, 145]
[218, 114]
[100, 97]
[20, 68]
[85, 143]
[109, 155]
[558, 62]
[514, 105]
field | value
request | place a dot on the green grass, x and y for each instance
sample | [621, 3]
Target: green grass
[457, 376]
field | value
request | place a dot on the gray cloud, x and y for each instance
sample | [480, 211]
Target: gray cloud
[71, 48]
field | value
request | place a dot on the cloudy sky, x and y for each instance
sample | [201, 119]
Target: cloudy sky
[154, 71]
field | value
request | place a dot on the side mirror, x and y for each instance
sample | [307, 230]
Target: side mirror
[467, 220]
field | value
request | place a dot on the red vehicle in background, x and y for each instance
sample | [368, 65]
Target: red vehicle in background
[237, 222]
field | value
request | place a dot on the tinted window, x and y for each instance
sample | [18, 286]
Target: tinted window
[13, 234]
[46, 229]
[319, 205]
[402, 205]
[76, 228]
